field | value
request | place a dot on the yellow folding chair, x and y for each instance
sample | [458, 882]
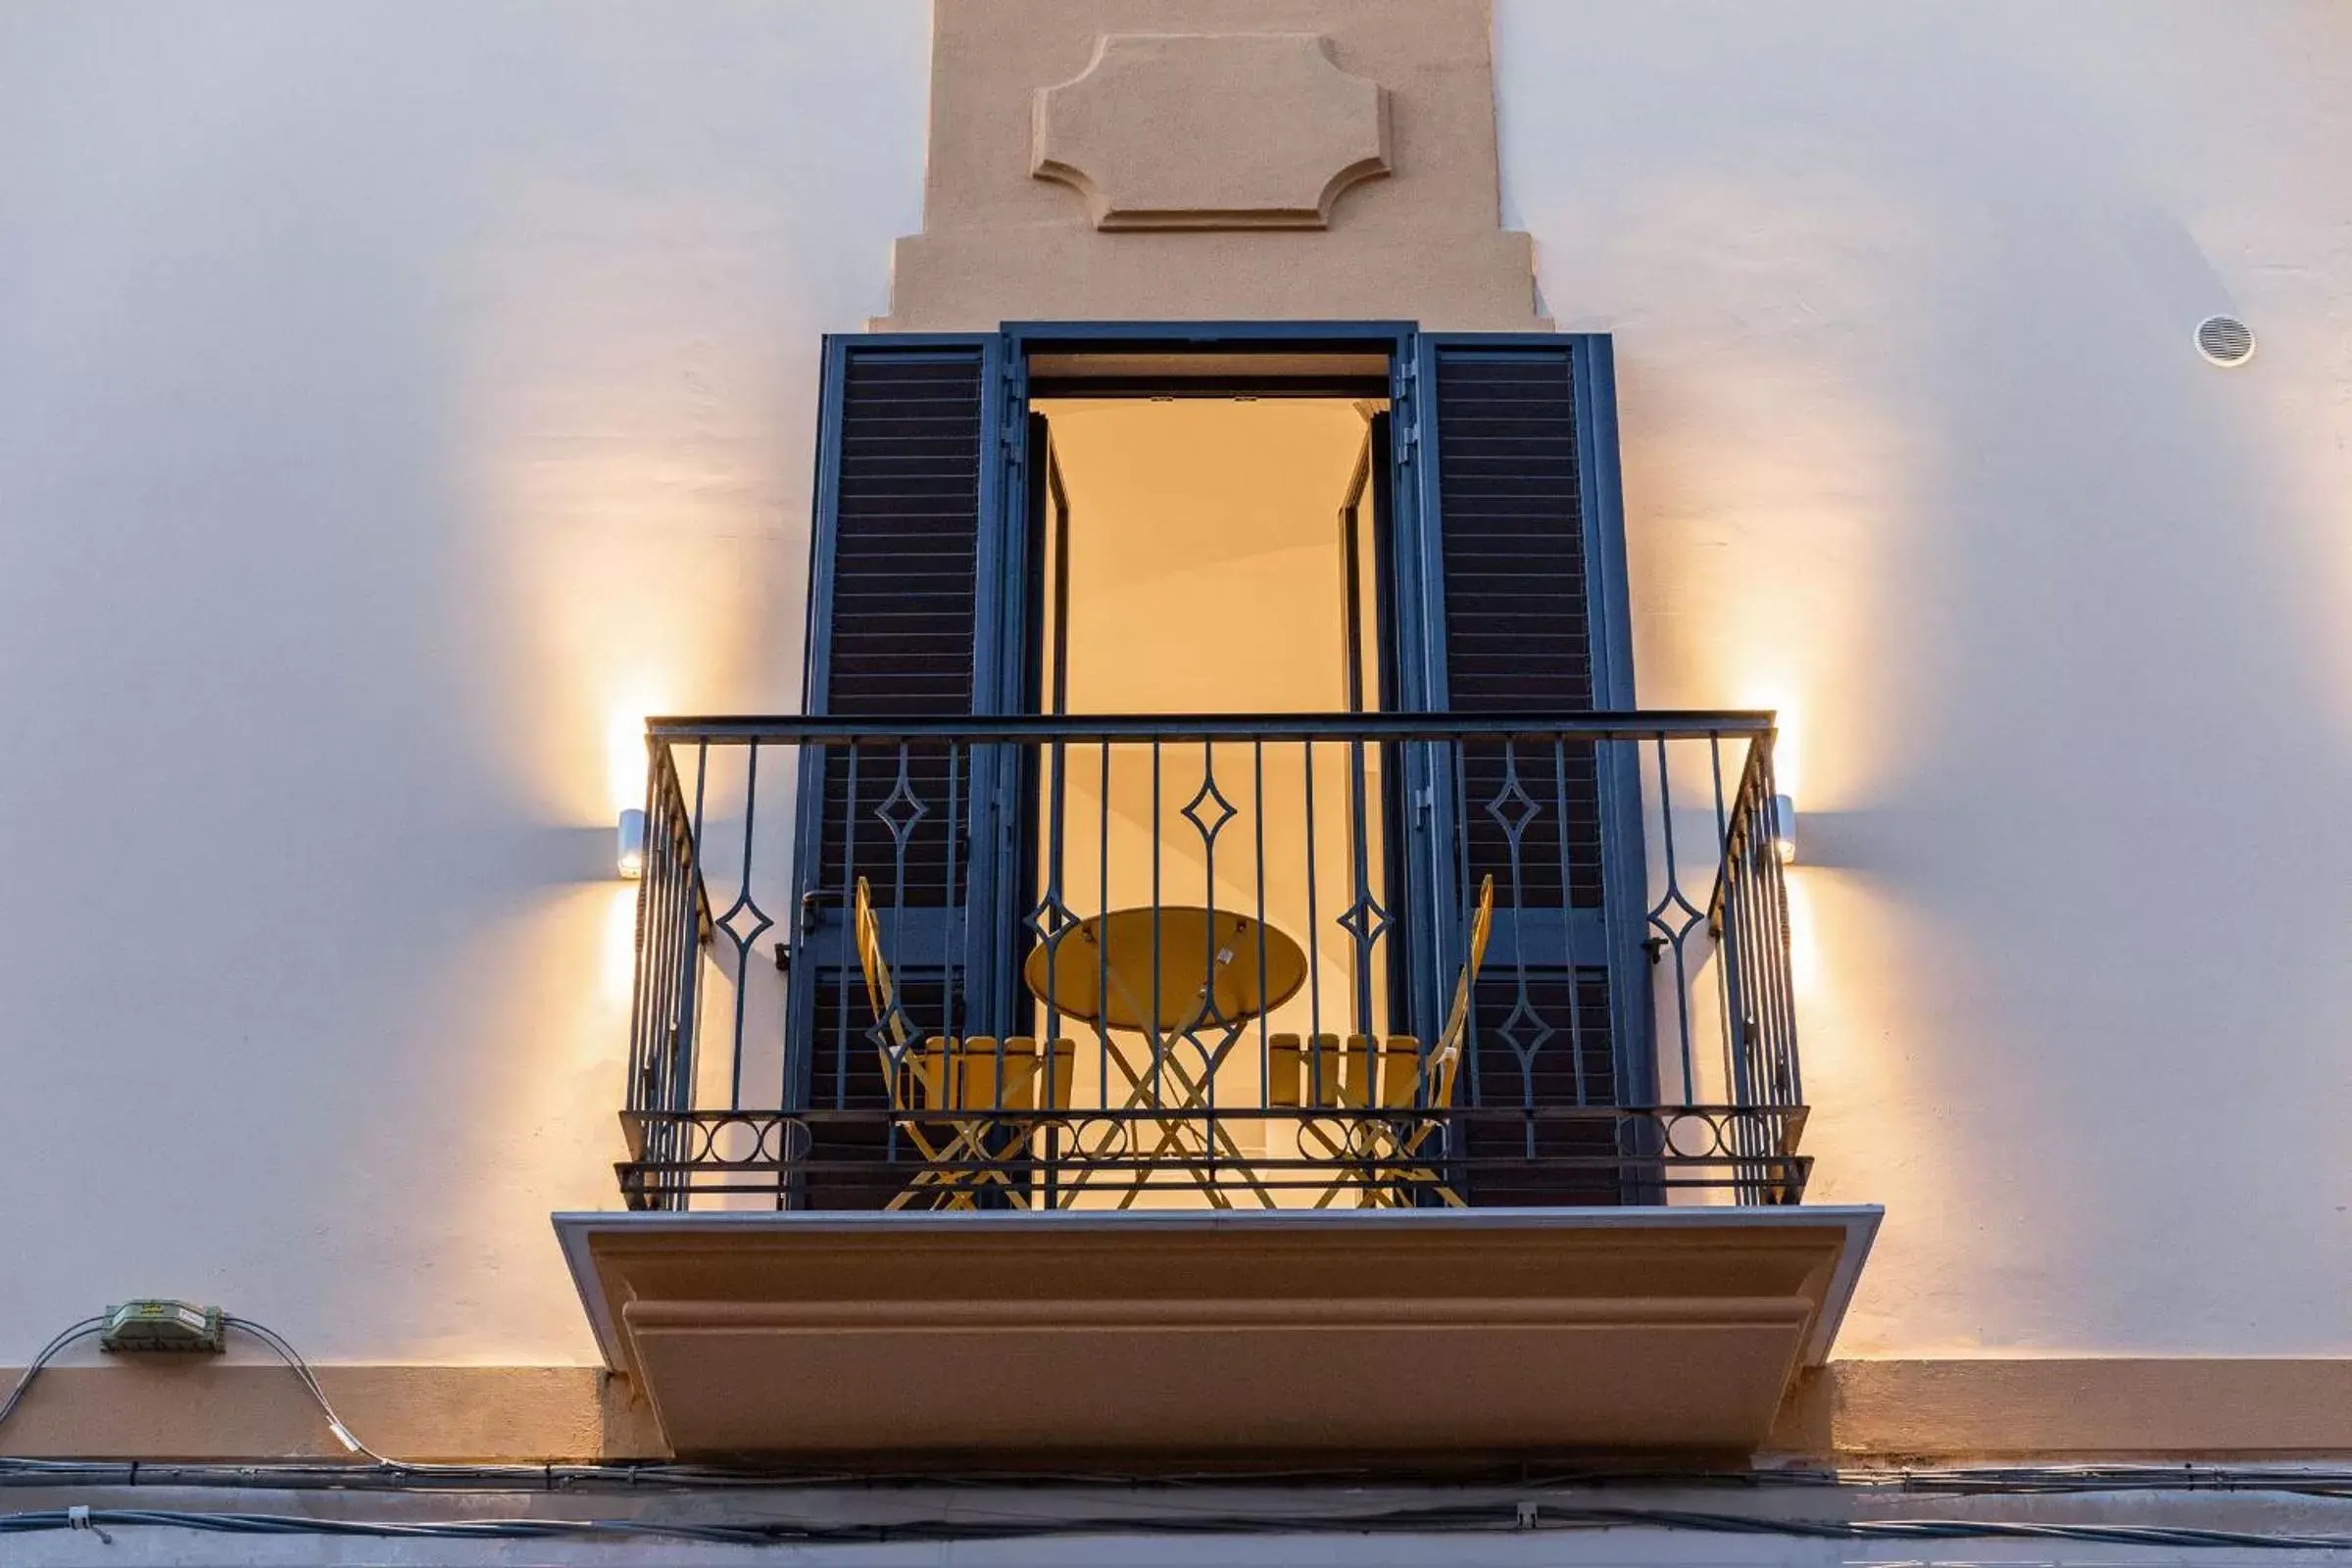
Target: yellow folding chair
[935, 1074]
[1362, 1073]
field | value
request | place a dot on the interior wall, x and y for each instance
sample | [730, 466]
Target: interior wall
[1918, 450]
[1205, 571]
[1205, 574]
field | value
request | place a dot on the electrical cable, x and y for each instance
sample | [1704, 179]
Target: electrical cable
[1496, 1519]
[277, 1343]
[32, 1368]
[300, 1368]
[662, 1475]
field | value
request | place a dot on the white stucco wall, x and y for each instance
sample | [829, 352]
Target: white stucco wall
[1918, 448]
[395, 400]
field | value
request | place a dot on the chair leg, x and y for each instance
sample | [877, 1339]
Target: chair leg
[1417, 1177]
[933, 1181]
[1137, 1092]
[1325, 1149]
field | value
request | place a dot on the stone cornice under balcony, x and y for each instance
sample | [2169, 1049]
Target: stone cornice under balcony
[1027, 1336]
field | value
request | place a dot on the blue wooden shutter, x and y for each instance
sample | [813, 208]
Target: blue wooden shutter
[902, 617]
[1525, 586]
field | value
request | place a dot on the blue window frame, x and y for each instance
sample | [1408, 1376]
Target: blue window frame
[1500, 442]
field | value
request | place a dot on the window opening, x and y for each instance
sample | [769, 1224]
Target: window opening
[1205, 552]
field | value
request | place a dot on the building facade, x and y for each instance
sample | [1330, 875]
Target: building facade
[1368, 744]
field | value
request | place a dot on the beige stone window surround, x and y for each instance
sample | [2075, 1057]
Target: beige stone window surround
[1212, 160]
[1210, 130]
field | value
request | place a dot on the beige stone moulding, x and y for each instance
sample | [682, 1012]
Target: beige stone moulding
[1862, 1412]
[1212, 160]
[1211, 131]
[1077, 1333]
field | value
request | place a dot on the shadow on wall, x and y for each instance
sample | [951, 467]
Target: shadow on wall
[1916, 443]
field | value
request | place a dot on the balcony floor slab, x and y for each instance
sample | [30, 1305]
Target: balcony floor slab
[1027, 1336]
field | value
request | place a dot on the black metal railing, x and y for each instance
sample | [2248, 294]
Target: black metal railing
[1079, 962]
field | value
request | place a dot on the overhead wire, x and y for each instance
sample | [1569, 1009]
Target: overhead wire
[385, 1474]
[1497, 1518]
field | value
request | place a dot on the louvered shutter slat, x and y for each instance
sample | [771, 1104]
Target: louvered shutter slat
[898, 554]
[1518, 637]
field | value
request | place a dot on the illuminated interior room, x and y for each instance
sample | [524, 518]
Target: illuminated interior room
[1214, 555]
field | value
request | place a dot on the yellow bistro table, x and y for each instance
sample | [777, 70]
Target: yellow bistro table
[1172, 973]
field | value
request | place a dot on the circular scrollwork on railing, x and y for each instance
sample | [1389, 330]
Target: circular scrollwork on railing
[1102, 1138]
[736, 1140]
[1378, 1136]
[793, 1140]
[1691, 1135]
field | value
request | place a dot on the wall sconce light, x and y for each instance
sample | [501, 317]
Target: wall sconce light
[631, 858]
[1783, 828]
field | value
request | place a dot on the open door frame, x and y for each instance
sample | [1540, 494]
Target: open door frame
[1015, 488]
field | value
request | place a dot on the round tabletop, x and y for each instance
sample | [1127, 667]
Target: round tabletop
[1208, 970]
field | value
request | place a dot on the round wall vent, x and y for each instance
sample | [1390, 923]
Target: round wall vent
[2225, 340]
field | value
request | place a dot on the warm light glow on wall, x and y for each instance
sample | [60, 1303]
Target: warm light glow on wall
[634, 471]
[1804, 954]
[1786, 748]
[624, 758]
[618, 958]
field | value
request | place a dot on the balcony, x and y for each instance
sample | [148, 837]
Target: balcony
[1118, 1085]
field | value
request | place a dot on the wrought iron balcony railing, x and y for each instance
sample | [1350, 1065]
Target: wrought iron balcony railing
[1205, 961]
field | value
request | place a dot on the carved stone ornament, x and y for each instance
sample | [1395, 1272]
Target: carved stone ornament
[1219, 130]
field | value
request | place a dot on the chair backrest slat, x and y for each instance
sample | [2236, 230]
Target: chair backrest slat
[1445, 1057]
[910, 1071]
